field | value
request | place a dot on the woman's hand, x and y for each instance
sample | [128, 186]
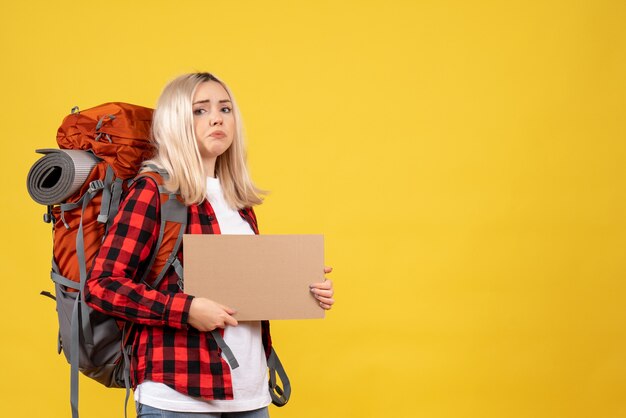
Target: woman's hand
[323, 291]
[206, 315]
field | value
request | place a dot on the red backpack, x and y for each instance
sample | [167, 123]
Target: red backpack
[82, 183]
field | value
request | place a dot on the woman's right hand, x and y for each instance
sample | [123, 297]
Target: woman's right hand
[206, 315]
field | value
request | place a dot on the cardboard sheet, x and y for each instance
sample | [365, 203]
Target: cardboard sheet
[260, 276]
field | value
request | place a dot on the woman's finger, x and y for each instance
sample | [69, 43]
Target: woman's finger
[327, 301]
[328, 284]
[324, 293]
[325, 306]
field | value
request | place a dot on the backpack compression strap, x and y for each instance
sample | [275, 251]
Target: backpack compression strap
[80, 311]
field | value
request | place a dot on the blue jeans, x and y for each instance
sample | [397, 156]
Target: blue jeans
[146, 411]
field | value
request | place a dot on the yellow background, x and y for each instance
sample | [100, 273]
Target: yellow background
[464, 160]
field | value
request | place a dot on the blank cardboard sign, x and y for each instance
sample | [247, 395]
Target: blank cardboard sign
[260, 276]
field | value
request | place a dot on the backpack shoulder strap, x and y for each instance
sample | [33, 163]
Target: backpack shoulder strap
[173, 223]
[173, 226]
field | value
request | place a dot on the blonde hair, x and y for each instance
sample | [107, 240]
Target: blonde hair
[177, 149]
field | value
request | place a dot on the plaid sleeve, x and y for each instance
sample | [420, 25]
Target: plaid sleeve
[113, 284]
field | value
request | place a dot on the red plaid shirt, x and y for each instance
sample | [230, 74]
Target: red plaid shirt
[165, 348]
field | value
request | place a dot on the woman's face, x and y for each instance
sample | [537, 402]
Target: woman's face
[213, 117]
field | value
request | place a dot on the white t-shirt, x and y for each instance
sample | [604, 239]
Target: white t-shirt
[249, 380]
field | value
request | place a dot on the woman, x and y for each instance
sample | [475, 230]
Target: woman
[176, 366]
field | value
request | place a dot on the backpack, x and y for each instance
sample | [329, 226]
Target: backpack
[101, 151]
[82, 183]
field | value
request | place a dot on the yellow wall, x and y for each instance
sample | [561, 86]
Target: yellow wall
[465, 161]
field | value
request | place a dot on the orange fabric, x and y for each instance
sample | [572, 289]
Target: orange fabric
[128, 128]
[93, 231]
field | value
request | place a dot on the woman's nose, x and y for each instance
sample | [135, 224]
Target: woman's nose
[216, 119]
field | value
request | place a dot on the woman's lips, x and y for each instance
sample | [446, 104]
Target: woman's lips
[217, 134]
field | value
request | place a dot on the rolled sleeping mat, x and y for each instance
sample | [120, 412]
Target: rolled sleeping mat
[59, 174]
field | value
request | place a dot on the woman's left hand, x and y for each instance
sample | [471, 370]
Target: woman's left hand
[323, 291]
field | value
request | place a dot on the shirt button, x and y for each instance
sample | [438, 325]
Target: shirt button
[211, 218]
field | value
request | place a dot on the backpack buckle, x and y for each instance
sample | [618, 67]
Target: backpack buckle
[47, 217]
[95, 185]
[108, 138]
[99, 126]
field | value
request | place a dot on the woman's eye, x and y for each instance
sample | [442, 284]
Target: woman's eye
[226, 110]
[198, 112]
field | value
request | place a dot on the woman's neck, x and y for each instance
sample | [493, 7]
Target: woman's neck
[209, 166]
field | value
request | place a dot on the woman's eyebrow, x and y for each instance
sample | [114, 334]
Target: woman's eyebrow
[209, 101]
